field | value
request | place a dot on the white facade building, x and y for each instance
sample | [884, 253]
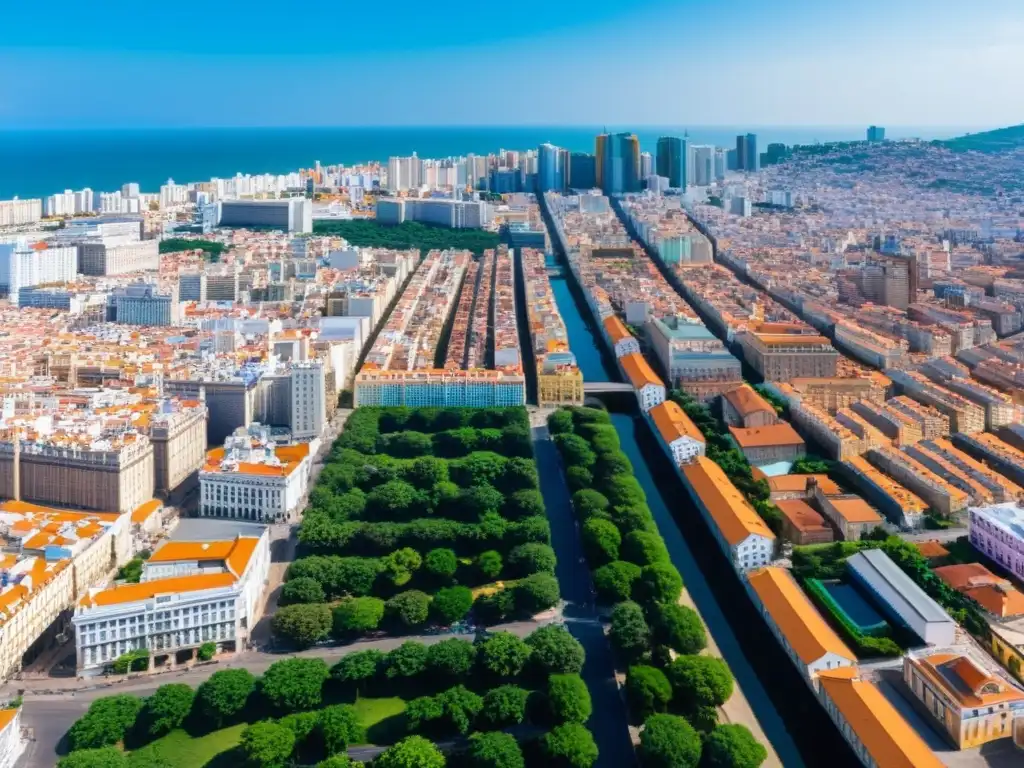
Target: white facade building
[309, 407]
[24, 266]
[249, 480]
[190, 593]
[11, 742]
[16, 212]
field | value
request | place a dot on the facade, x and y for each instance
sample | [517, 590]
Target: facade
[678, 433]
[15, 213]
[649, 389]
[741, 533]
[744, 407]
[190, 593]
[26, 266]
[114, 255]
[179, 447]
[696, 361]
[582, 171]
[622, 341]
[618, 163]
[440, 388]
[671, 160]
[769, 444]
[781, 357]
[11, 742]
[291, 215]
[998, 531]
[851, 516]
[551, 170]
[871, 725]
[454, 214]
[249, 479]
[942, 496]
[141, 304]
[900, 598]
[99, 475]
[308, 394]
[805, 636]
[900, 505]
[972, 705]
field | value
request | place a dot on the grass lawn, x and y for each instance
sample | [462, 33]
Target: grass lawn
[383, 720]
[183, 751]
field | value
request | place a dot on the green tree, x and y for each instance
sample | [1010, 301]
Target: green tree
[302, 590]
[679, 627]
[302, 724]
[338, 761]
[207, 651]
[394, 500]
[426, 472]
[570, 746]
[660, 583]
[494, 607]
[302, 625]
[576, 451]
[105, 723]
[411, 752]
[442, 564]
[520, 476]
[266, 745]
[504, 705]
[553, 650]
[578, 478]
[601, 541]
[632, 517]
[668, 741]
[295, 684]
[358, 668]
[525, 503]
[568, 699]
[527, 559]
[356, 615]
[700, 681]
[647, 690]
[340, 727]
[223, 696]
[451, 659]
[614, 582]
[102, 757]
[623, 490]
[405, 445]
[407, 660]
[733, 746]
[151, 756]
[503, 655]
[409, 609]
[489, 564]
[166, 709]
[589, 503]
[461, 707]
[478, 468]
[494, 750]
[629, 633]
[644, 548]
[536, 593]
[400, 565]
[560, 422]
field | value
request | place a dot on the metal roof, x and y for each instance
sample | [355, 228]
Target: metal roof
[878, 569]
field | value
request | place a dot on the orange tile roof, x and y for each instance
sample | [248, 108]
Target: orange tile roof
[735, 518]
[24, 507]
[673, 423]
[765, 437]
[801, 515]
[964, 681]
[886, 736]
[639, 371]
[143, 511]
[616, 329]
[996, 595]
[130, 593]
[931, 549]
[746, 401]
[241, 554]
[798, 484]
[795, 616]
[856, 511]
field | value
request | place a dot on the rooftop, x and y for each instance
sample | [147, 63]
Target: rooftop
[876, 566]
[735, 518]
[766, 437]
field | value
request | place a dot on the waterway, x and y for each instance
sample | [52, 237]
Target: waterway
[798, 729]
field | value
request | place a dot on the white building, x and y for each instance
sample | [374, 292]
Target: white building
[250, 479]
[24, 266]
[16, 212]
[190, 593]
[309, 407]
[678, 433]
[290, 215]
[11, 742]
[141, 304]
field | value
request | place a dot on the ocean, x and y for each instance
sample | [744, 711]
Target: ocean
[41, 163]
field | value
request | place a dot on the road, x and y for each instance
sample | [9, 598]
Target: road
[608, 722]
[52, 706]
[941, 536]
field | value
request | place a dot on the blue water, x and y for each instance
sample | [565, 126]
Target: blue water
[856, 606]
[40, 163]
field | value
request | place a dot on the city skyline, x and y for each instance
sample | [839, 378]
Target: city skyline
[764, 66]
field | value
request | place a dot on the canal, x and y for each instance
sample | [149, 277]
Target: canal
[774, 690]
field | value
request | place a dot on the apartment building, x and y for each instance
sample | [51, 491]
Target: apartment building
[679, 434]
[998, 531]
[12, 743]
[802, 524]
[899, 505]
[621, 340]
[178, 436]
[769, 444]
[26, 266]
[291, 215]
[696, 361]
[744, 407]
[964, 415]
[117, 255]
[440, 388]
[980, 483]
[942, 496]
[649, 389]
[1005, 458]
[781, 357]
[831, 394]
[251, 479]
[190, 593]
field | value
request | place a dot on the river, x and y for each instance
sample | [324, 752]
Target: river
[761, 668]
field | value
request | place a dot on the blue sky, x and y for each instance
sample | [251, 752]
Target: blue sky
[535, 62]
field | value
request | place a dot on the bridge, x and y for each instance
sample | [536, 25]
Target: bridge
[603, 387]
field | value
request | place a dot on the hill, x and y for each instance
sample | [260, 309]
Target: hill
[1000, 140]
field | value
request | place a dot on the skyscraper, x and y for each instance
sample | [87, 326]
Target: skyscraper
[747, 156]
[876, 133]
[703, 159]
[671, 160]
[582, 171]
[550, 168]
[618, 162]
